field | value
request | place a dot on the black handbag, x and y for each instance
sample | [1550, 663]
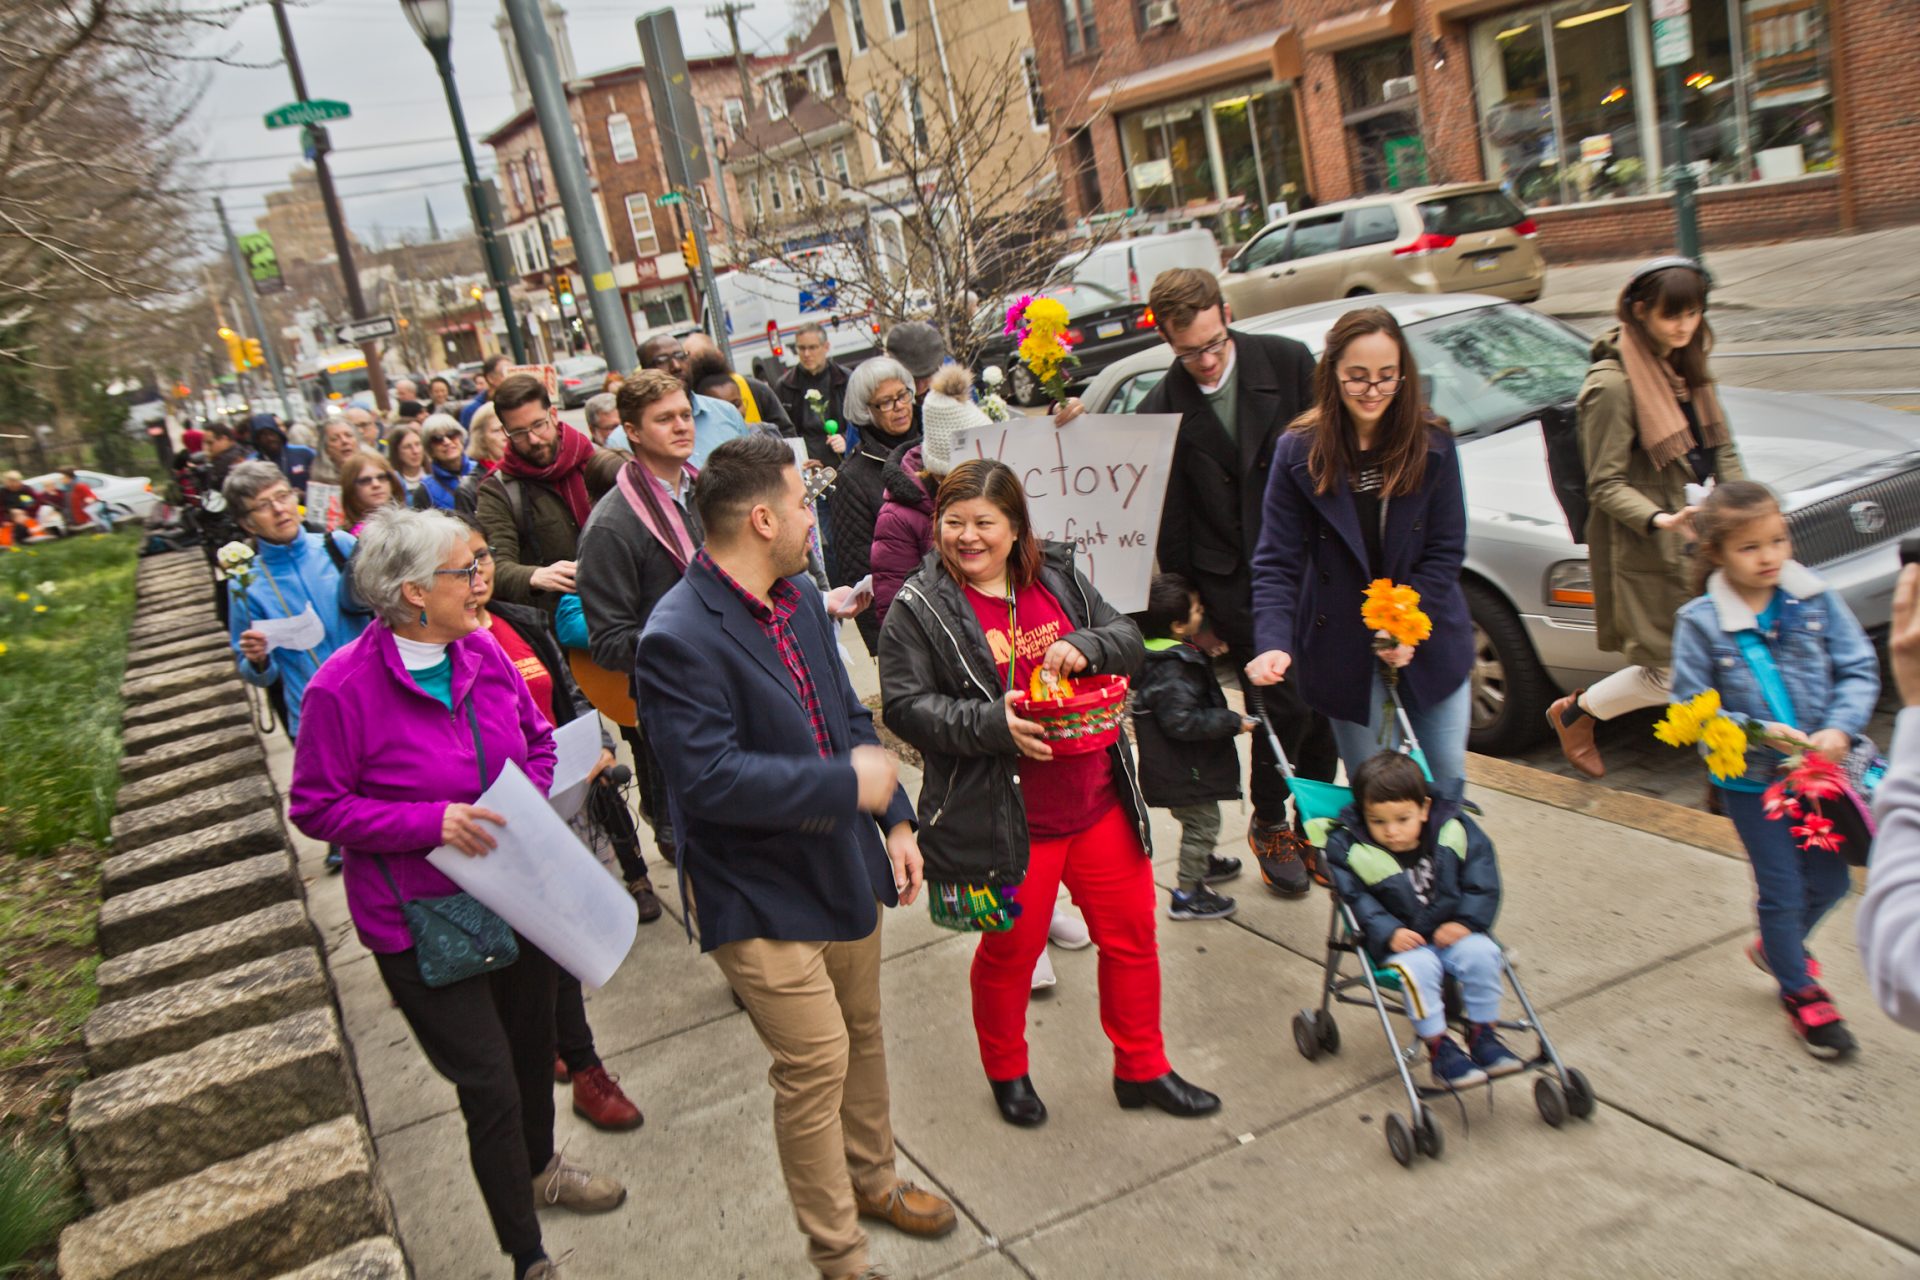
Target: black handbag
[456, 937]
[1566, 466]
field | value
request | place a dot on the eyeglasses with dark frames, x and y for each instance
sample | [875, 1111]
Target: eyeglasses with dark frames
[1213, 348]
[1360, 386]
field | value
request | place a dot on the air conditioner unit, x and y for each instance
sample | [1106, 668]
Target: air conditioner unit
[1399, 87]
[1162, 13]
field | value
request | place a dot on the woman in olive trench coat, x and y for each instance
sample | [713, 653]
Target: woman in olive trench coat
[1650, 425]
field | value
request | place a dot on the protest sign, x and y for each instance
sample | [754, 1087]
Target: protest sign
[323, 506]
[1098, 483]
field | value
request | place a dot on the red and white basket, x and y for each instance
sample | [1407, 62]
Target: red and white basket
[1089, 721]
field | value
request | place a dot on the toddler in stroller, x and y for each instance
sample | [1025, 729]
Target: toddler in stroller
[1423, 885]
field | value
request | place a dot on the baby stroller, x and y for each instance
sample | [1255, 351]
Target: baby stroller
[1559, 1091]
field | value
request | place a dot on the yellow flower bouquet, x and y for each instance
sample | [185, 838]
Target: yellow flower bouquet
[1700, 722]
[1045, 345]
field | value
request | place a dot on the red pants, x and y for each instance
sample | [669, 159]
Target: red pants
[1112, 883]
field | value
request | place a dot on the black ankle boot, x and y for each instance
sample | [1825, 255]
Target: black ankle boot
[1018, 1103]
[1168, 1092]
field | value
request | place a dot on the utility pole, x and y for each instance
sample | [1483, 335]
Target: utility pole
[317, 143]
[570, 179]
[684, 151]
[1673, 46]
[241, 270]
[730, 14]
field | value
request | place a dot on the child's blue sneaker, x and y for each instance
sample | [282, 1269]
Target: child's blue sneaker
[1452, 1068]
[1489, 1054]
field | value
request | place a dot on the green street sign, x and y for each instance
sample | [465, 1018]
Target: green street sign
[312, 112]
[671, 197]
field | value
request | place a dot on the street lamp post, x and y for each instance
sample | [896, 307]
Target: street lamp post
[432, 21]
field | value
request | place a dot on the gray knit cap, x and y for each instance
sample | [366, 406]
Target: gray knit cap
[917, 345]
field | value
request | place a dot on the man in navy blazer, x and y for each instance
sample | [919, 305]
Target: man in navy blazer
[775, 779]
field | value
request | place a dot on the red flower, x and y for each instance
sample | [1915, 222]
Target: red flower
[1817, 833]
[1816, 778]
[1777, 802]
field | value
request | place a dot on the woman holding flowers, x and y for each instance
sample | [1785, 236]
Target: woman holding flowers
[1365, 513]
[1776, 677]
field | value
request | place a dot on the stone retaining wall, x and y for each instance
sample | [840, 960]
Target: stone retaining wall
[223, 1134]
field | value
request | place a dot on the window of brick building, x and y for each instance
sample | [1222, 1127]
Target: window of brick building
[640, 219]
[1380, 102]
[1086, 171]
[736, 112]
[1076, 17]
[620, 137]
[1036, 99]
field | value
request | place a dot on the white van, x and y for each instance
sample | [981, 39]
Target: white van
[1128, 266]
[768, 300]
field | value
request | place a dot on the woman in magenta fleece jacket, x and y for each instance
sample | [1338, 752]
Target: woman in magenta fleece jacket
[401, 730]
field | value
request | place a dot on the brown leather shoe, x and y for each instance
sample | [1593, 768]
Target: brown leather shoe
[1576, 739]
[909, 1209]
[645, 899]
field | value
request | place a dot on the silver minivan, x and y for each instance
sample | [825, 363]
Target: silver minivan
[1848, 475]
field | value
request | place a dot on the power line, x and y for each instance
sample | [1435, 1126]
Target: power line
[368, 146]
[364, 173]
[383, 191]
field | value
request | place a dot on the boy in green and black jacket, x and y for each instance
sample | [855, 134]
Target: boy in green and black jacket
[1185, 731]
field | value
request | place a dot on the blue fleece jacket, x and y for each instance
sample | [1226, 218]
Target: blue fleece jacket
[285, 579]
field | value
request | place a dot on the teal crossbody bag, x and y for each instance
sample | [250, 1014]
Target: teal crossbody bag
[456, 937]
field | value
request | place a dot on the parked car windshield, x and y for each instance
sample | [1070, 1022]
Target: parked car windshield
[1484, 369]
[1491, 367]
[1471, 211]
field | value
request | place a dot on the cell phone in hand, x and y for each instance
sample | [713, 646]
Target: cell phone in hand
[1910, 550]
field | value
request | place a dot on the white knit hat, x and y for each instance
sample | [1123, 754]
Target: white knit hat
[947, 410]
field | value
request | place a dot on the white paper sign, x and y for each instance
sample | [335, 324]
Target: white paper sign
[1098, 482]
[323, 506]
[576, 746]
[302, 631]
[544, 882]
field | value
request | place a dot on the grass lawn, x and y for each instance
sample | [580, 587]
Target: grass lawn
[64, 610]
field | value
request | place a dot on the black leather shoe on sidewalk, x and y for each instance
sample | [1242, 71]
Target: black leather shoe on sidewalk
[1018, 1103]
[1168, 1092]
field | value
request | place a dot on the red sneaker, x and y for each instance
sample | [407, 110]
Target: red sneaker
[599, 1101]
[1822, 1031]
[1757, 953]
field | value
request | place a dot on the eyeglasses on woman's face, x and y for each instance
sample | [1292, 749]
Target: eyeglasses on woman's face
[471, 573]
[369, 480]
[282, 499]
[894, 403]
[1360, 386]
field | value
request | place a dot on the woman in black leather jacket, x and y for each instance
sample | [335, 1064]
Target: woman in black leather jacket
[1000, 813]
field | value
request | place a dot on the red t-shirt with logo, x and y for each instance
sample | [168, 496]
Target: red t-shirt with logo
[526, 662]
[1067, 794]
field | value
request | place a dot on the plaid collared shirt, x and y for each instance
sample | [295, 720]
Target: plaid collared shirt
[777, 624]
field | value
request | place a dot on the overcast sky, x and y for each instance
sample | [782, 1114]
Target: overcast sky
[397, 151]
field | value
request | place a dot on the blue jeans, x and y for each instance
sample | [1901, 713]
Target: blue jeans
[1442, 731]
[1793, 889]
[1473, 962]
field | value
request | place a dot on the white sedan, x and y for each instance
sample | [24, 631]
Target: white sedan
[126, 497]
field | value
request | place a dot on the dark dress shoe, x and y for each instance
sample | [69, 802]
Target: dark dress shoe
[1018, 1103]
[1168, 1092]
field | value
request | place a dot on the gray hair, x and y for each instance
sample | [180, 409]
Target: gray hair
[438, 427]
[602, 403]
[248, 481]
[480, 442]
[397, 547]
[817, 330]
[866, 379]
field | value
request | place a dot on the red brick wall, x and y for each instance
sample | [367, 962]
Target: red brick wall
[1877, 70]
[1877, 75]
[616, 180]
[1743, 214]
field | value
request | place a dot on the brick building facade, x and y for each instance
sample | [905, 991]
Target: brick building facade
[1224, 110]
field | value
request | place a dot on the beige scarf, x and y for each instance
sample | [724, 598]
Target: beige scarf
[1658, 393]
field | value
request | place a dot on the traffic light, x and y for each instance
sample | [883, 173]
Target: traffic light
[690, 250]
[255, 356]
[236, 353]
[566, 292]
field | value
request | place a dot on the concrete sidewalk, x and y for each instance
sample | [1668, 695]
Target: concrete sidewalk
[1719, 1148]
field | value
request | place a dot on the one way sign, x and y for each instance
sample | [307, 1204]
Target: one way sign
[356, 331]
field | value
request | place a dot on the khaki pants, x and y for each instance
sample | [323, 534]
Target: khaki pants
[816, 1006]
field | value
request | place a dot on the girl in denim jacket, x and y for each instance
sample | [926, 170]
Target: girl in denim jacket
[1780, 648]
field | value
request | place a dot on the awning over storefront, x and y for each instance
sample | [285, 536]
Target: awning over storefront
[1442, 11]
[1273, 53]
[1369, 25]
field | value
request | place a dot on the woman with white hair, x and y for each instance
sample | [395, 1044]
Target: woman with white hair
[447, 461]
[403, 729]
[486, 447]
[880, 405]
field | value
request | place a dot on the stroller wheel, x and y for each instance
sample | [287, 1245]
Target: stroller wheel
[1579, 1095]
[1305, 1038]
[1328, 1030]
[1552, 1101]
[1399, 1139]
[1428, 1136]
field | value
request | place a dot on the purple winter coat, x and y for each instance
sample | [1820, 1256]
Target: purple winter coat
[379, 759]
[903, 532]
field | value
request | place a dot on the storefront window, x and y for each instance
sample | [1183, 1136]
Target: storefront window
[1571, 106]
[1171, 151]
[1381, 101]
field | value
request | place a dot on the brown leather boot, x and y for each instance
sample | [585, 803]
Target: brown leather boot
[1576, 739]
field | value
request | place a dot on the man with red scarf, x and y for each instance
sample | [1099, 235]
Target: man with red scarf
[532, 508]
